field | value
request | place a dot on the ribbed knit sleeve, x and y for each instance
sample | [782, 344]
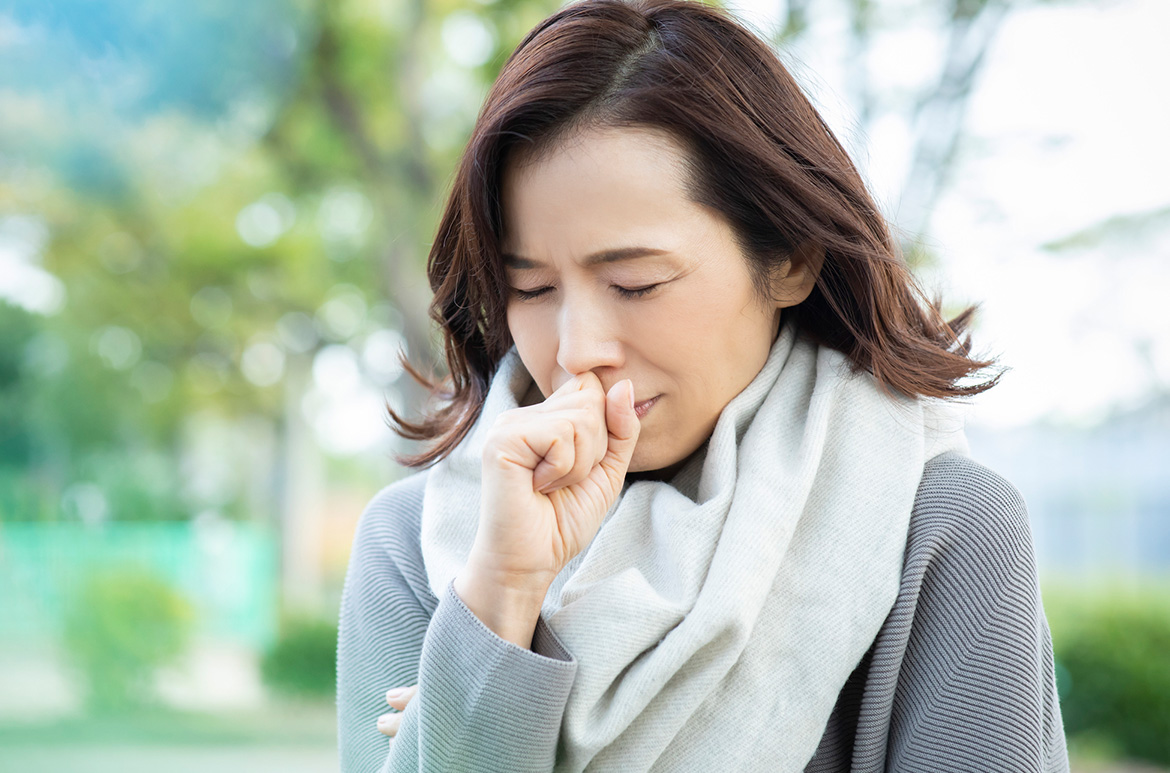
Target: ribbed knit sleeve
[960, 678]
[483, 704]
[977, 687]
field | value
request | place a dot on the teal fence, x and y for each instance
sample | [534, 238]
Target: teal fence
[227, 570]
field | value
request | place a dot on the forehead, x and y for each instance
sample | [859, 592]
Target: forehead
[574, 141]
[597, 189]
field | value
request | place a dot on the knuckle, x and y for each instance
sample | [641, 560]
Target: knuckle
[563, 465]
[593, 402]
[566, 428]
[591, 418]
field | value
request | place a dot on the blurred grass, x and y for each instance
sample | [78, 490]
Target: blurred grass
[292, 736]
[305, 723]
[173, 759]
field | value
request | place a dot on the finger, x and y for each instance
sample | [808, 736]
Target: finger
[556, 438]
[623, 426]
[590, 438]
[575, 384]
[388, 724]
[568, 393]
[529, 444]
[593, 395]
[400, 700]
[589, 445]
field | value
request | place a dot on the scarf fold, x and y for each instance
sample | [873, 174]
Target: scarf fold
[716, 617]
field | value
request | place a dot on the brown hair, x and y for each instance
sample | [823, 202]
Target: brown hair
[760, 155]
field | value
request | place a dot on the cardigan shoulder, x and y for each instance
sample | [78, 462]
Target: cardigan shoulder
[963, 507]
[961, 676]
[390, 527]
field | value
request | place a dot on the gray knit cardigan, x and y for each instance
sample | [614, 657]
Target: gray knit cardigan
[959, 678]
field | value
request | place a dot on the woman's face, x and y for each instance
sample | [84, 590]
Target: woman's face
[614, 270]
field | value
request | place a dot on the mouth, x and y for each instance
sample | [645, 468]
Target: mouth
[643, 407]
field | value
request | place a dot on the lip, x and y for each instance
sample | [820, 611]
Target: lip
[643, 407]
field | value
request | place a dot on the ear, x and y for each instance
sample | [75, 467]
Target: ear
[799, 275]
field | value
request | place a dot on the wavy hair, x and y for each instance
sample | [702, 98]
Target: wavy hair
[759, 154]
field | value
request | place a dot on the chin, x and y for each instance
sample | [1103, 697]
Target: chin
[643, 461]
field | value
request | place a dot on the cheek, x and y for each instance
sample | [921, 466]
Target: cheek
[695, 322]
[711, 338]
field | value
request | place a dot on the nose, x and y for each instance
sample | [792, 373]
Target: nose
[587, 337]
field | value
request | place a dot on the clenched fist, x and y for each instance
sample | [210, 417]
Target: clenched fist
[550, 473]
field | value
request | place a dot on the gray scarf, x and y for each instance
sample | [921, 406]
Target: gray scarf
[716, 617]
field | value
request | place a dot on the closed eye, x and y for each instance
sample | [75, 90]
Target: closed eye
[625, 292]
[635, 292]
[525, 295]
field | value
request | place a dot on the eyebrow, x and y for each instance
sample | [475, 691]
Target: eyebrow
[604, 256]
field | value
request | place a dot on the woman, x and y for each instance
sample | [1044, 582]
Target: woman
[694, 498]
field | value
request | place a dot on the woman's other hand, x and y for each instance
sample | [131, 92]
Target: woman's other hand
[551, 471]
[398, 698]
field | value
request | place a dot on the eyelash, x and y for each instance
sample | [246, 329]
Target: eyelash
[625, 292]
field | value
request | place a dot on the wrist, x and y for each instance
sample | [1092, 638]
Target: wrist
[508, 605]
[484, 565]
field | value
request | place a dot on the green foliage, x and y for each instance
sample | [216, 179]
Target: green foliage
[236, 169]
[122, 625]
[1113, 673]
[303, 661]
[17, 327]
[1117, 229]
[20, 497]
[138, 487]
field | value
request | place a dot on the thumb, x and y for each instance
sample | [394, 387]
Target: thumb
[623, 426]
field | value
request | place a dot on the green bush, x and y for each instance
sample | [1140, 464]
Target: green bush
[304, 659]
[122, 625]
[1113, 672]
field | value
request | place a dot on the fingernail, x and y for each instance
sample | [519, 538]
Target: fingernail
[383, 719]
[631, 394]
[395, 692]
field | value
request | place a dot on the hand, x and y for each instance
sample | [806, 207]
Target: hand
[388, 723]
[551, 471]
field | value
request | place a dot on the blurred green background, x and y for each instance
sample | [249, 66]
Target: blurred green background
[214, 219]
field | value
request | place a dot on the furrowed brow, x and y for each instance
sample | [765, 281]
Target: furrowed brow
[604, 256]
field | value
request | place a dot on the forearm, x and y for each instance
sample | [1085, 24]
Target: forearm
[484, 703]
